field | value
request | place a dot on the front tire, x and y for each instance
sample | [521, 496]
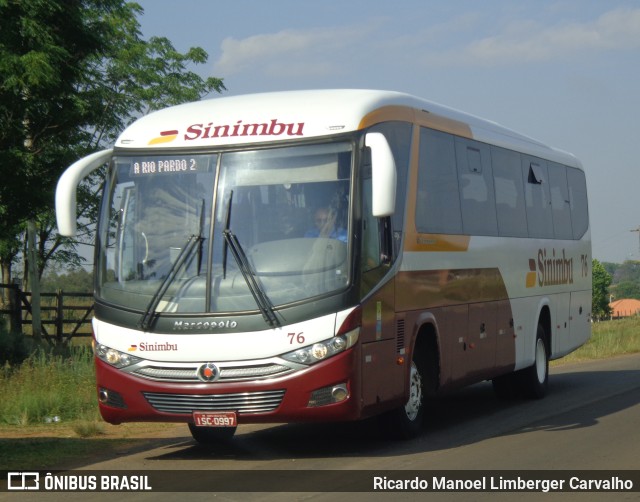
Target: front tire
[406, 422]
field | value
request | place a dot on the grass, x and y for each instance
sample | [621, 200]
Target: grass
[49, 388]
[608, 338]
[46, 386]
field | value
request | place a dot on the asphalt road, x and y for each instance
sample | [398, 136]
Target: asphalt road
[589, 421]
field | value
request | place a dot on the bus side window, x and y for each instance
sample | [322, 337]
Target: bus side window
[538, 198]
[578, 201]
[438, 205]
[477, 197]
[560, 201]
[510, 204]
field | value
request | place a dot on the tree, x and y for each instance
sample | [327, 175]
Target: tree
[625, 279]
[626, 289]
[77, 281]
[43, 49]
[600, 291]
[75, 73]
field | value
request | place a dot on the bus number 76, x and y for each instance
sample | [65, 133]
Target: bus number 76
[297, 337]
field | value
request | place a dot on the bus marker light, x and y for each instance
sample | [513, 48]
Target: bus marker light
[400, 360]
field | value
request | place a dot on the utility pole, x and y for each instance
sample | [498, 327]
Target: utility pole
[637, 230]
[34, 280]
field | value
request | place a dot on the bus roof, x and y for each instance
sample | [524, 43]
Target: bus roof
[277, 116]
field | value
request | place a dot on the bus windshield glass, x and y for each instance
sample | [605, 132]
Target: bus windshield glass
[168, 219]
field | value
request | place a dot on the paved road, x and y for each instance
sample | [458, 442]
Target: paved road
[589, 421]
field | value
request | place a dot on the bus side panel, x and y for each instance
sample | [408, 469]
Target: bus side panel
[580, 319]
[472, 316]
[526, 315]
[452, 326]
[560, 324]
[384, 379]
[475, 341]
[505, 338]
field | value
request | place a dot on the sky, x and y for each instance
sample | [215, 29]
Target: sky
[565, 72]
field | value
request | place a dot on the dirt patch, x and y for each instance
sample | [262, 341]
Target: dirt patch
[105, 430]
[58, 446]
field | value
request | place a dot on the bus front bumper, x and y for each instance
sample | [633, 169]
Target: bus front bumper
[326, 391]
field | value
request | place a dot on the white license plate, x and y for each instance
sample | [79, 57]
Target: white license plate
[215, 419]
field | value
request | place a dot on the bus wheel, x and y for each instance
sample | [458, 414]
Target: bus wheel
[211, 435]
[534, 380]
[406, 422]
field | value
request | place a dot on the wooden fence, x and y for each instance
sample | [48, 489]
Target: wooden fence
[63, 314]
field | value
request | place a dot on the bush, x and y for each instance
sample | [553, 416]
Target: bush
[14, 348]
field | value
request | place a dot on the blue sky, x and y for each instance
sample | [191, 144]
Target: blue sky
[566, 72]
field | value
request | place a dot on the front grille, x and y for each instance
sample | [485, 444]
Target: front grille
[189, 372]
[242, 402]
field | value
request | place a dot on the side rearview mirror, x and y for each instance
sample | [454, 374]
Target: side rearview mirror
[383, 175]
[67, 188]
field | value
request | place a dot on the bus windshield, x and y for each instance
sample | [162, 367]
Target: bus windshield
[168, 221]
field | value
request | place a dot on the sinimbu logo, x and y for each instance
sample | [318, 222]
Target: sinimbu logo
[146, 347]
[550, 269]
[239, 129]
[165, 137]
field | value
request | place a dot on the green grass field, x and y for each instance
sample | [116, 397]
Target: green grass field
[609, 338]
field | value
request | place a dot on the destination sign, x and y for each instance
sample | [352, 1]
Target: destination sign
[153, 166]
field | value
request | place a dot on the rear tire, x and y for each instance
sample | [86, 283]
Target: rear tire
[534, 380]
[211, 435]
[406, 422]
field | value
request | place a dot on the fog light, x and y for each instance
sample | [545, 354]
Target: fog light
[103, 396]
[111, 398]
[328, 395]
[339, 393]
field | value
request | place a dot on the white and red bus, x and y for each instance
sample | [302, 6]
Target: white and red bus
[328, 256]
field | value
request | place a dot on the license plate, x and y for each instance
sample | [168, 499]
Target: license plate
[217, 419]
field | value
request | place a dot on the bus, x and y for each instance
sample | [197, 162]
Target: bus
[329, 255]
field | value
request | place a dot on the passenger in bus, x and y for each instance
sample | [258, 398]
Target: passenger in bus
[325, 225]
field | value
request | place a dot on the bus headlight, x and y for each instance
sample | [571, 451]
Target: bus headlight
[114, 357]
[320, 351]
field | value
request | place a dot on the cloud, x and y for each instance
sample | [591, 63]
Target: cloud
[314, 52]
[618, 29]
[456, 42]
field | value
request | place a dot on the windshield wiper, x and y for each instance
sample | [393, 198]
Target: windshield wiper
[226, 229]
[187, 250]
[194, 242]
[257, 291]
